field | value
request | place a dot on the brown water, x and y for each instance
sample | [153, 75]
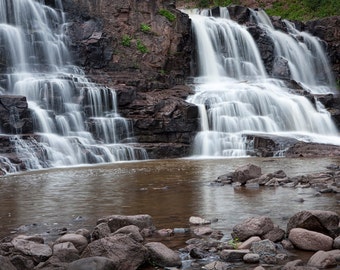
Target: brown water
[169, 190]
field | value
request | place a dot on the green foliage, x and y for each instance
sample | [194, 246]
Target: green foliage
[234, 242]
[126, 41]
[141, 47]
[145, 28]
[167, 14]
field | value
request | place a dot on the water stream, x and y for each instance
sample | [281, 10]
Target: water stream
[75, 121]
[236, 96]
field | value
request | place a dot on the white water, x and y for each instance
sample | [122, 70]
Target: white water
[37, 64]
[237, 97]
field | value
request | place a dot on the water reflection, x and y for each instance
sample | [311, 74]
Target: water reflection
[169, 190]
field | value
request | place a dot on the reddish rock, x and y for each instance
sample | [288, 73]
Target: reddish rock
[310, 240]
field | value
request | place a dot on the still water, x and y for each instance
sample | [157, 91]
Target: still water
[169, 190]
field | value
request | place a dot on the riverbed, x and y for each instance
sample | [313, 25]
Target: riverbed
[50, 201]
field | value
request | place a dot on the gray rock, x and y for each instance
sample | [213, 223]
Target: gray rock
[232, 255]
[310, 240]
[66, 252]
[247, 244]
[39, 252]
[251, 258]
[79, 241]
[254, 226]
[217, 265]
[244, 173]
[5, 264]
[100, 231]
[132, 231]
[93, 263]
[322, 259]
[125, 252]
[163, 256]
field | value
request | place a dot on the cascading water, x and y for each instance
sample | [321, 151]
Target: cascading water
[74, 121]
[237, 97]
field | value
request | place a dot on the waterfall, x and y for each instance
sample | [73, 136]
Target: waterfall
[236, 96]
[74, 121]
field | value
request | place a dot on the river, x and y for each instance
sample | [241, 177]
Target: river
[170, 191]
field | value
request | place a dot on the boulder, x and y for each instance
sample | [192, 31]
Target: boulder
[325, 222]
[246, 172]
[247, 244]
[93, 263]
[100, 231]
[5, 264]
[254, 226]
[125, 252]
[116, 222]
[79, 241]
[233, 255]
[162, 256]
[275, 235]
[251, 258]
[322, 259]
[198, 221]
[310, 240]
[132, 231]
[66, 252]
[39, 252]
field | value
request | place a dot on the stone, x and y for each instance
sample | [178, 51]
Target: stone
[5, 264]
[198, 221]
[125, 252]
[132, 231]
[281, 68]
[310, 240]
[293, 264]
[254, 226]
[336, 243]
[79, 241]
[66, 252]
[322, 259]
[325, 222]
[116, 222]
[233, 255]
[247, 244]
[100, 231]
[251, 258]
[217, 265]
[203, 231]
[92, 263]
[246, 172]
[39, 252]
[275, 235]
[162, 256]
[263, 247]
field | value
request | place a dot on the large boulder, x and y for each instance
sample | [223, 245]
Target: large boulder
[93, 263]
[162, 256]
[325, 222]
[79, 241]
[323, 259]
[310, 240]
[5, 264]
[125, 252]
[254, 226]
[246, 172]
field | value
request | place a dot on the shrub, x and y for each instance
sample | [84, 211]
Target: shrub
[141, 47]
[145, 28]
[167, 14]
[126, 41]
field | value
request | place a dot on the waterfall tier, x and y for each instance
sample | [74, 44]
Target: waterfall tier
[237, 96]
[69, 120]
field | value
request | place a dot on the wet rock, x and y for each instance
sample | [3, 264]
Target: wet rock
[217, 265]
[132, 231]
[264, 247]
[246, 172]
[5, 264]
[251, 258]
[125, 252]
[302, 149]
[66, 252]
[310, 240]
[247, 244]
[39, 252]
[200, 231]
[100, 231]
[233, 255]
[92, 263]
[336, 243]
[325, 222]
[162, 256]
[293, 264]
[198, 221]
[79, 241]
[116, 222]
[275, 235]
[322, 259]
[281, 68]
[254, 226]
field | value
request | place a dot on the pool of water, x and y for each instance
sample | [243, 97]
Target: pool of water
[170, 191]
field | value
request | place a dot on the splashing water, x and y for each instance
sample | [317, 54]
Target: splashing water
[236, 96]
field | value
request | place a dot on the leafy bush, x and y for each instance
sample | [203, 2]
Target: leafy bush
[141, 47]
[145, 28]
[126, 41]
[167, 14]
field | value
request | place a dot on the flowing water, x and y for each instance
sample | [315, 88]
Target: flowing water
[75, 121]
[236, 96]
